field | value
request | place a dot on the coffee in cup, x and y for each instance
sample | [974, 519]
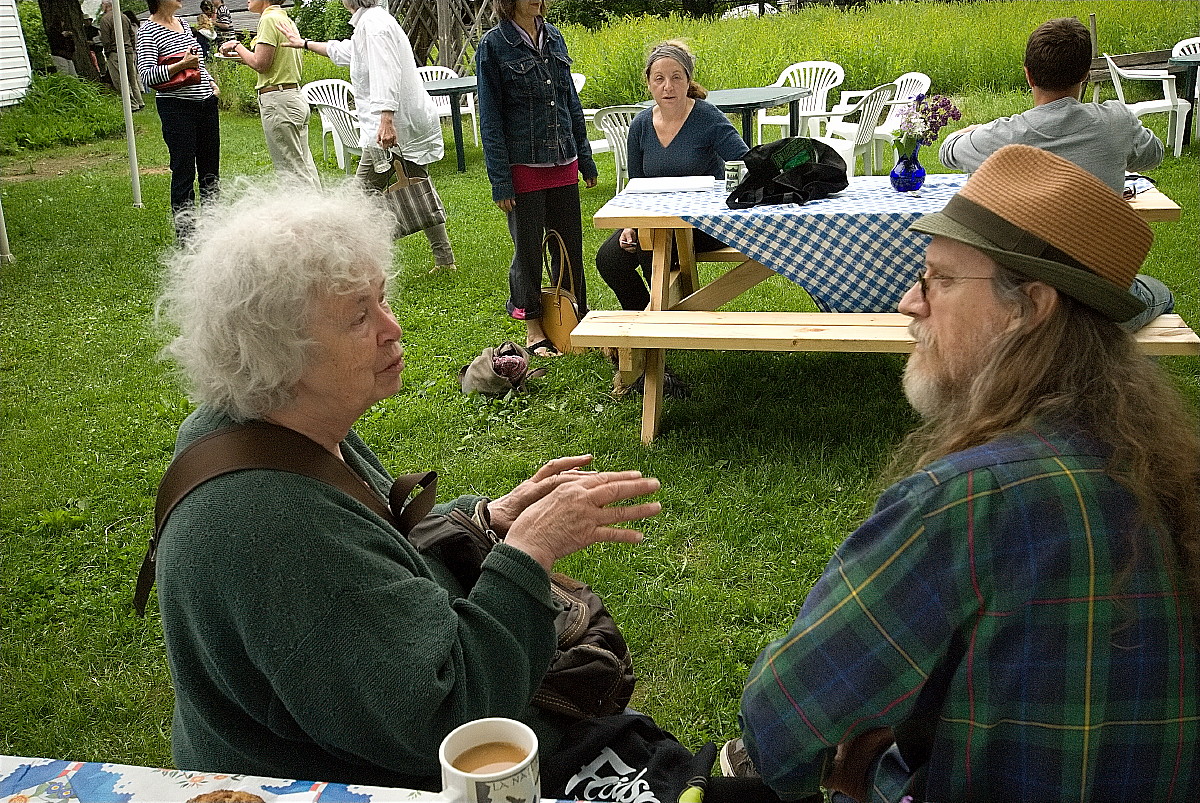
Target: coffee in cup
[489, 757]
[493, 759]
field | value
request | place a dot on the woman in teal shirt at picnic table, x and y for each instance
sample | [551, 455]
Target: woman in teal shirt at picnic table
[680, 135]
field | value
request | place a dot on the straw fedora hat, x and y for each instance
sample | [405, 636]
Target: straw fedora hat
[1050, 220]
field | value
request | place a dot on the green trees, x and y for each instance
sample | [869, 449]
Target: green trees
[62, 21]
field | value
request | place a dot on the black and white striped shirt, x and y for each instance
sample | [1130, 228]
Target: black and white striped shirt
[155, 41]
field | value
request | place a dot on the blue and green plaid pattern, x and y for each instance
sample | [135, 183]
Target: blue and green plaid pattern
[1004, 592]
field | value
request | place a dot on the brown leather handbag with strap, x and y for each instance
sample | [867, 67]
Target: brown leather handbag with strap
[591, 673]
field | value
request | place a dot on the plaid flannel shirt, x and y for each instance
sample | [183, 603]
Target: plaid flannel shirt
[999, 596]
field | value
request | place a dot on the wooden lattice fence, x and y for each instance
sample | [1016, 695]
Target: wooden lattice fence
[445, 31]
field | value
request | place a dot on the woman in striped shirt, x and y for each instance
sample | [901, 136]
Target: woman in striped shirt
[190, 125]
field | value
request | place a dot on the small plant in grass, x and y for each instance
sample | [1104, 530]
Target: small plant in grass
[56, 522]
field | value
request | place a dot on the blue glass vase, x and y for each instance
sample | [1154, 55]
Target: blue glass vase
[908, 175]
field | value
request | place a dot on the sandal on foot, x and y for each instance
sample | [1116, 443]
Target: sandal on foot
[544, 348]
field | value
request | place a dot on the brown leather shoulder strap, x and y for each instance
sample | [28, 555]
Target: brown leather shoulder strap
[262, 445]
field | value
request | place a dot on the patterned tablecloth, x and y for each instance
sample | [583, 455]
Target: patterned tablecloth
[851, 252]
[47, 780]
[44, 780]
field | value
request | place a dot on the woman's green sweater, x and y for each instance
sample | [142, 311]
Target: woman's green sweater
[308, 639]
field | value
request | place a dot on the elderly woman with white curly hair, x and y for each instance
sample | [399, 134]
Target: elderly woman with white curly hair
[306, 636]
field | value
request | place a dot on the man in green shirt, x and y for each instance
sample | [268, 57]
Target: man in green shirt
[1017, 619]
[283, 110]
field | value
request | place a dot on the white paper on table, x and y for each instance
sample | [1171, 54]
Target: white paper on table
[670, 184]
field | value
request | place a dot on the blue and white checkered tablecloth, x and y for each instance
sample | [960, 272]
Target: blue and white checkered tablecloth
[851, 252]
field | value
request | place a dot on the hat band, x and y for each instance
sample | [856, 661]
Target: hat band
[675, 53]
[1004, 235]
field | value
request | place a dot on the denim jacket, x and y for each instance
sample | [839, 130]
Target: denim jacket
[529, 111]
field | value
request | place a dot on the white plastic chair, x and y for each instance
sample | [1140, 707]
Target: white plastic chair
[820, 77]
[442, 102]
[345, 127]
[742, 12]
[1175, 107]
[1186, 47]
[908, 86]
[1189, 47]
[614, 121]
[331, 92]
[869, 110]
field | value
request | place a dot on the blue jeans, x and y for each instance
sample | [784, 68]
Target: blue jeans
[192, 131]
[1158, 300]
[536, 213]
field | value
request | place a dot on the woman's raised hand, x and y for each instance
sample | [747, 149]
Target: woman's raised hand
[563, 507]
[579, 511]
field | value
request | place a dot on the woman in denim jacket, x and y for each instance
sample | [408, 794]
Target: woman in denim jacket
[535, 143]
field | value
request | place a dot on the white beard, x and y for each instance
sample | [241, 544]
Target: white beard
[924, 393]
[934, 380]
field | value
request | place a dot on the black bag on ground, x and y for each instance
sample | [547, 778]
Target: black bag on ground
[793, 170]
[621, 757]
[627, 757]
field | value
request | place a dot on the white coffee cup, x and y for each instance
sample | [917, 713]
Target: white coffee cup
[492, 760]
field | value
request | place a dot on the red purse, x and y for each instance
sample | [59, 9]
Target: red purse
[188, 76]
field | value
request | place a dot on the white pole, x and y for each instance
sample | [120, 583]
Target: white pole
[5, 253]
[123, 68]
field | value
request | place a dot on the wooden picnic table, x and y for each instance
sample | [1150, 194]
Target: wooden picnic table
[852, 253]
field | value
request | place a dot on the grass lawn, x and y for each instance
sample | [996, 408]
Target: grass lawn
[765, 469]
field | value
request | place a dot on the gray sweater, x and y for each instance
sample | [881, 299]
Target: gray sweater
[1104, 139]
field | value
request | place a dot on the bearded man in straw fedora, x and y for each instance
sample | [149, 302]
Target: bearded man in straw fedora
[1017, 620]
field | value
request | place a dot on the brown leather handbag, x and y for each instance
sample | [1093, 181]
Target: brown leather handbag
[560, 306]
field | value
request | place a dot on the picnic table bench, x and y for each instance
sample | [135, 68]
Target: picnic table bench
[879, 332]
[639, 336]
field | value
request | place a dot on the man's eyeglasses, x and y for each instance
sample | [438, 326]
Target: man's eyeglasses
[924, 280]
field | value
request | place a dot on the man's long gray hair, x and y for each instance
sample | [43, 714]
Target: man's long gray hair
[1078, 367]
